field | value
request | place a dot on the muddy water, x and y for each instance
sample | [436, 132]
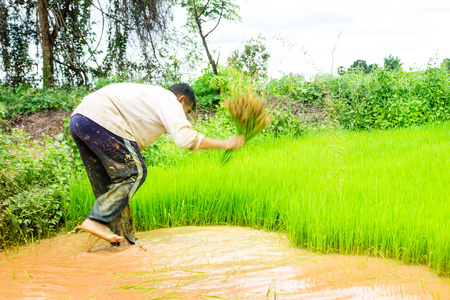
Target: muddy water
[205, 262]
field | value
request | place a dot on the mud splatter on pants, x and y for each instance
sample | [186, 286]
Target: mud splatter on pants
[115, 169]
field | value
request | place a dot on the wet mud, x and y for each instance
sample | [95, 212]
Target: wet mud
[204, 263]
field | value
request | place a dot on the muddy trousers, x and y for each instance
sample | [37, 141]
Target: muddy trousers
[115, 169]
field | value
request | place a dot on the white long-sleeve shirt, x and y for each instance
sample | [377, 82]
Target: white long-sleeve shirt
[141, 113]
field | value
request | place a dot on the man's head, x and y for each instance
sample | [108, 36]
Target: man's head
[185, 95]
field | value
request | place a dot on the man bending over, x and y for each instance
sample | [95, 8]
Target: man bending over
[110, 127]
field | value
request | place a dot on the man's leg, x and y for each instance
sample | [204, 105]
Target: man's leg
[115, 179]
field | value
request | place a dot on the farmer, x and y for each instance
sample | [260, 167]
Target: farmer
[110, 127]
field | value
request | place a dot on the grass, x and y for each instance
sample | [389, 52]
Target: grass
[381, 193]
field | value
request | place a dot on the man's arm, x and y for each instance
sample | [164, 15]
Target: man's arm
[233, 143]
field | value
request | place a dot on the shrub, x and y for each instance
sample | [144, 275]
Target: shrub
[296, 87]
[207, 88]
[31, 214]
[385, 99]
[210, 88]
[26, 100]
[33, 181]
[286, 124]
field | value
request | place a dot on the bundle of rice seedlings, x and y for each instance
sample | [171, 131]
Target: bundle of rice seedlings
[246, 110]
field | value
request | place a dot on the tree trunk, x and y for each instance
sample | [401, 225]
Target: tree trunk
[211, 60]
[47, 44]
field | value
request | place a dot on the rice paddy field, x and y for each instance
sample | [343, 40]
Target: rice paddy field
[380, 193]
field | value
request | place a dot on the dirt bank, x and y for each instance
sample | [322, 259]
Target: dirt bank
[205, 262]
[43, 122]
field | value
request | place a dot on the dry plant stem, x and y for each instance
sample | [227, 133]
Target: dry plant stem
[246, 110]
[125, 240]
[92, 240]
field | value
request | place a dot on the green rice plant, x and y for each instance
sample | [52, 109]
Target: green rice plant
[382, 193]
[80, 201]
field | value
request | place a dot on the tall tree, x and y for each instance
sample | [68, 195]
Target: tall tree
[48, 38]
[205, 15]
[358, 66]
[63, 30]
[17, 32]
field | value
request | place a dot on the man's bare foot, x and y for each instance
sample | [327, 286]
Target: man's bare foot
[101, 230]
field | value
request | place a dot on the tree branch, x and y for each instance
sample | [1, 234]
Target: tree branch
[204, 8]
[113, 18]
[62, 18]
[220, 18]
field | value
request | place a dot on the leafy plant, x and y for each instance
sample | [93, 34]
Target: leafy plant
[385, 99]
[33, 182]
[253, 60]
[286, 124]
[296, 87]
[27, 100]
[31, 214]
[208, 88]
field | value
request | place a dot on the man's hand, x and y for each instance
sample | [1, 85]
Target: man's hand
[235, 142]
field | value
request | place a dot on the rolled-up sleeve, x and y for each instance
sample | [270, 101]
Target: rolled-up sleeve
[175, 121]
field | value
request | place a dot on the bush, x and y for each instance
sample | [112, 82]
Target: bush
[295, 87]
[31, 214]
[385, 99]
[33, 182]
[27, 100]
[286, 124]
[209, 87]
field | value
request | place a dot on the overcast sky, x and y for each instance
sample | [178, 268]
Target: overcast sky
[301, 35]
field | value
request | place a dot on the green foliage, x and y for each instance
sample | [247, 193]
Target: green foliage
[253, 60]
[17, 35]
[73, 40]
[31, 215]
[3, 111]
[446, 64]
[203, 17]
[208, 11]
[358, 66]
[210, 88]
[33, 181]
[341, 70]
[392, 63]
[207, 88]
[164, 153]
[296, 87]
[386, 99]
[26, 100]
[286, 124]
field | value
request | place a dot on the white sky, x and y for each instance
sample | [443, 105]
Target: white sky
[301, 34]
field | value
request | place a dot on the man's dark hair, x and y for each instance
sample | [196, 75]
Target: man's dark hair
[184, 89]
